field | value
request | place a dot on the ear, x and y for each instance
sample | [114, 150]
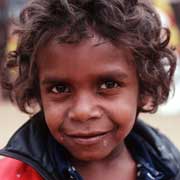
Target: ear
[145, 103]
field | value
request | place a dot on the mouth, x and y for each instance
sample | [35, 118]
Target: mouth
[88, 138]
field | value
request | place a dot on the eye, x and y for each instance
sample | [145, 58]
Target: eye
[109, 84]
[60, 89]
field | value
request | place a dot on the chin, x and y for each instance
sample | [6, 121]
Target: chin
[90, 156]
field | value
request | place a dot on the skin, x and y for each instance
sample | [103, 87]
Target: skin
[89, 95]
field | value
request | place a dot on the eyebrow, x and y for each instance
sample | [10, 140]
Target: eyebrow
[53, 80]
[110, 74]
[113, 74]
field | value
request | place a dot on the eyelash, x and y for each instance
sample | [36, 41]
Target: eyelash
[102, 86]
[109, 84]
[60, 88]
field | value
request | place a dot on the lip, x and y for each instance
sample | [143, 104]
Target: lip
[88, 138]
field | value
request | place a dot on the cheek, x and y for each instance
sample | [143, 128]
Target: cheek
[54, 121]
[124, 130]
[124, 116]
[54, 117]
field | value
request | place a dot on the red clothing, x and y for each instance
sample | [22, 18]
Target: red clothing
[11, 169]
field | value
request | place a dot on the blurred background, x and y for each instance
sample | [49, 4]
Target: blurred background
[167, 119]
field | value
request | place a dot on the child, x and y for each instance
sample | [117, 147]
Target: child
[92, 66]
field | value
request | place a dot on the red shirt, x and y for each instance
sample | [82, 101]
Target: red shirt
[11, 169]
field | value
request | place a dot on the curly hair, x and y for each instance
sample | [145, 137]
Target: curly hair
[131, 23]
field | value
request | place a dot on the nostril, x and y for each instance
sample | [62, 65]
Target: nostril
[84, 114]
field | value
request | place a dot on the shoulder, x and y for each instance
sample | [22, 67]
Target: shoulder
[11, 169]
[158, 140]
[155, 138]
[158, 144]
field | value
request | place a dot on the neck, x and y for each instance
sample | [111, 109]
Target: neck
[119, 160]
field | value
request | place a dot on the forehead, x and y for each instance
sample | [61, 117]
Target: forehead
[90, 55]
[95, 43]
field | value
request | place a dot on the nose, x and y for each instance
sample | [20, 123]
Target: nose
[85, 108]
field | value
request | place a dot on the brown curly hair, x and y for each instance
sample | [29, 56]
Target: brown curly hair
[131, 23]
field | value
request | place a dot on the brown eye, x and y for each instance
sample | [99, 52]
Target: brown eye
[109, 85]
[60, 89]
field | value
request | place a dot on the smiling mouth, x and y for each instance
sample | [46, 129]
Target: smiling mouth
[88, 138]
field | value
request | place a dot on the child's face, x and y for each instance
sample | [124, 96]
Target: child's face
[89, 94]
